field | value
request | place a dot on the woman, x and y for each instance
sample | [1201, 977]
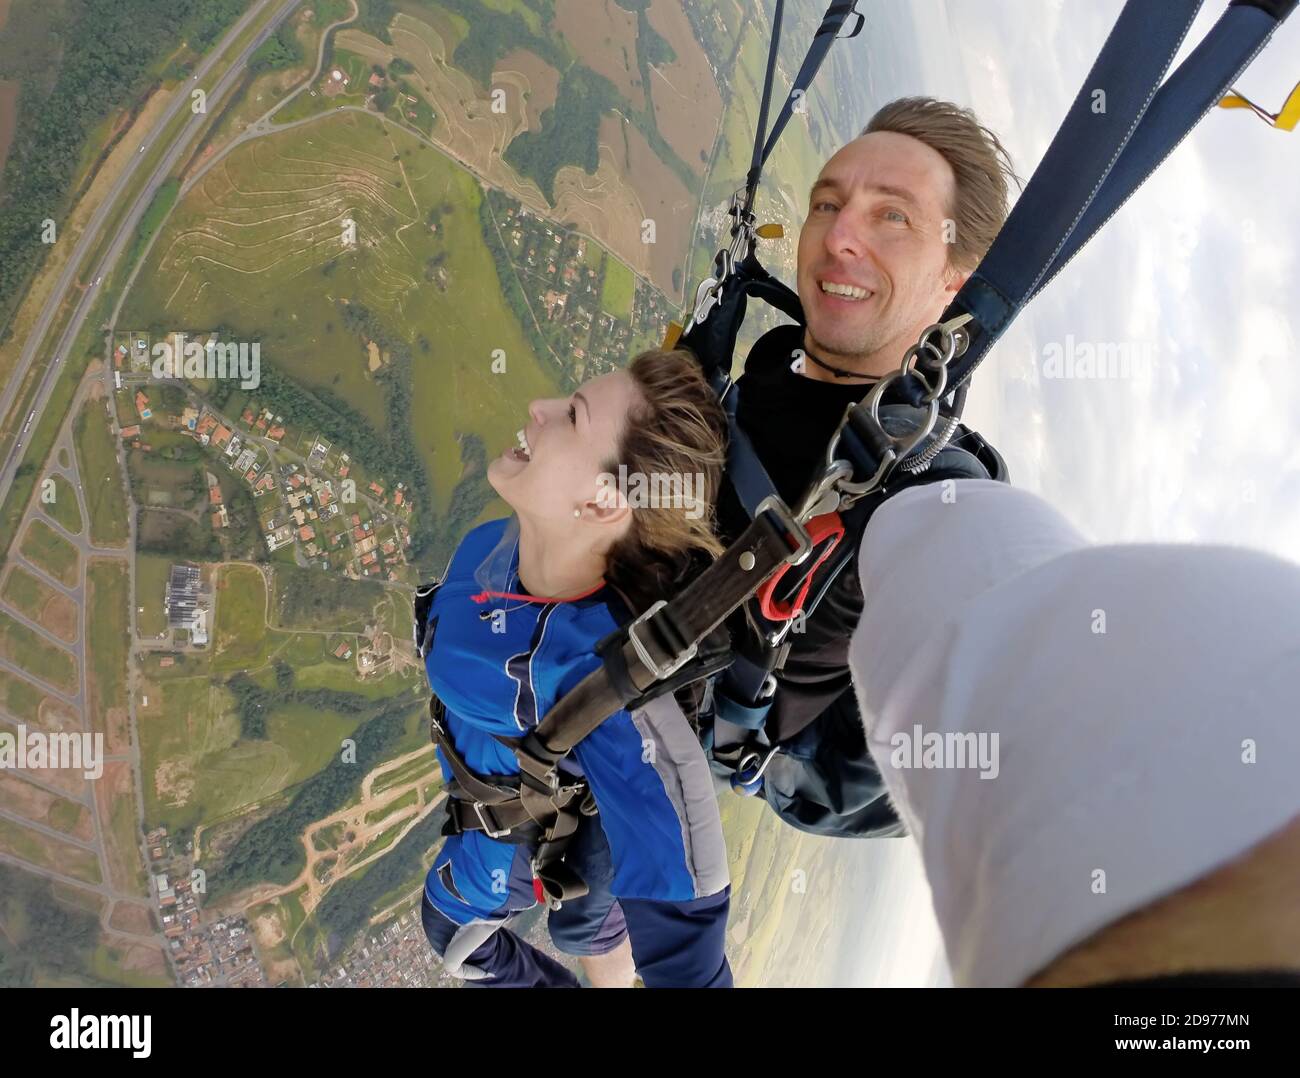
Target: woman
[513, 626]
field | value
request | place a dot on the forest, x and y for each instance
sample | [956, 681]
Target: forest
[108, 54]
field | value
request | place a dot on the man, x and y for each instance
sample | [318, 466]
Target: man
[1095, 747]
[897, 220]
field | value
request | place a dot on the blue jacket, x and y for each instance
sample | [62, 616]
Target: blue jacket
[647, 772]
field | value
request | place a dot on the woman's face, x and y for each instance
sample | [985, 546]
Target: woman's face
[567, 444]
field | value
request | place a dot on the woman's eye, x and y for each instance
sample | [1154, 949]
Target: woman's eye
[573, 414]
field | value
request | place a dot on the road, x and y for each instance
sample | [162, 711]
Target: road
[126, 231]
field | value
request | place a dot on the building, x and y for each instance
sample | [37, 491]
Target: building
[183, 602]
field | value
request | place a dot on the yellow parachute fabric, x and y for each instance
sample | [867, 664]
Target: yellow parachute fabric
[1286, 119]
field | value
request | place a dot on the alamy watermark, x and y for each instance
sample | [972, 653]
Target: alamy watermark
[951, 750]
[214, 360]
[33, 749]
[653, 490]
[1114, 360]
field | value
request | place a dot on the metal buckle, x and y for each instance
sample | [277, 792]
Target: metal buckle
[824, 497]
[753, 759]
[660, 672]
[487, 828]
[774, 505]
[706, 298]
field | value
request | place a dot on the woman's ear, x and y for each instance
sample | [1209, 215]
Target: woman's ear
[610, 497]
[611, 509]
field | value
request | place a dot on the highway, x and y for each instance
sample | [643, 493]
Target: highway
[127, 229]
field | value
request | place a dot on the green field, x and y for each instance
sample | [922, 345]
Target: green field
[65, 815]
[618, 289]
[126, 839]
[190, 733]
[64, 506]
[101, 483]
[408, 772]
[48, 852]
[106, 637]
[36, 655]
[51, 937]
[159, 207]
[45, 548]
[19, 697]
[151, 572]
[240, 638]
[202, 769]
[301, 602]
[392, 808]
[25, 593]
[259, 250]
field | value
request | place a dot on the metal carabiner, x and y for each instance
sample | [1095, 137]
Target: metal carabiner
[706, 298]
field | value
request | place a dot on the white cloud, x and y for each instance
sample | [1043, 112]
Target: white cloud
[1202, 262]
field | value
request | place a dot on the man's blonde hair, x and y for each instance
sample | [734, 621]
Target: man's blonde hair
[979, 162]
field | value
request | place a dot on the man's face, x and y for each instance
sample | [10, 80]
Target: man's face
[876, 225]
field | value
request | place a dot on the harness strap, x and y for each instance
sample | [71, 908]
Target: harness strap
[825, 531]
[532, 808]
[1122, 125]
[662, 639]
[469, 783]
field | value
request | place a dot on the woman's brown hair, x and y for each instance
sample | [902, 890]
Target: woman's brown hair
[676, 431]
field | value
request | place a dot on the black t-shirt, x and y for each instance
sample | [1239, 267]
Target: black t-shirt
[790, 419]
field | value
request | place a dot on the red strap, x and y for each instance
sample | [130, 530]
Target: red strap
[820, 529]
[484, 596]
[539, 892]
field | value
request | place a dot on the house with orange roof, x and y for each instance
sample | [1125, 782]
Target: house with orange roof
[221, 435]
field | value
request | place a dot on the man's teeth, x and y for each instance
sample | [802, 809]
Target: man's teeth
[845, 290]
[523, 443]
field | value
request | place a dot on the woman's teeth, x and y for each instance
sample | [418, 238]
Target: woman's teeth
[845, 291]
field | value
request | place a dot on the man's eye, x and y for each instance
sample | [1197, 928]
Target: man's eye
[824, 206]
[573, 414]
[896, 215]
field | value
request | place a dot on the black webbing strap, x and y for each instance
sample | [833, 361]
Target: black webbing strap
[664, 636]
[473, 786]
[1106, 147]
[535, 809]
[827, 33]
[509, 822]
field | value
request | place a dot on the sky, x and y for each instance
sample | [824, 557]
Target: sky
[1196, 276]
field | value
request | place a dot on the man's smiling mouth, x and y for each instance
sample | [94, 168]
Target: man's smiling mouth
[844, 291]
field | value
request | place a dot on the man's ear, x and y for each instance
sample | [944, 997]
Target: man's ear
[956, 278]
